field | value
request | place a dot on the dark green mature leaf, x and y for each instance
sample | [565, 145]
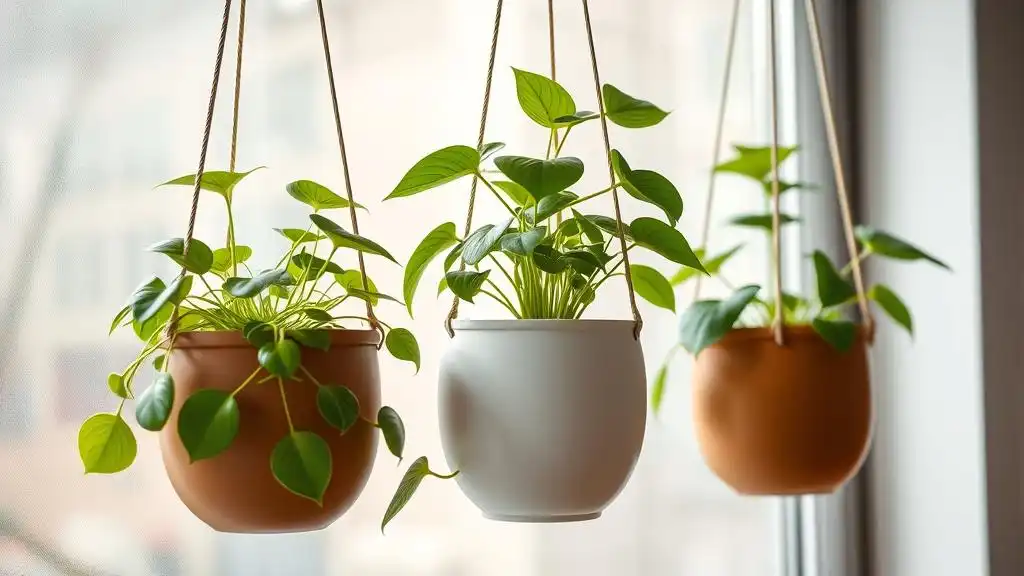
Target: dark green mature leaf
[222, 258]
[517, 193]
[219, 182]
[541, 177]
[483, 241]
[342, 238]
[208, 423]
[147, 329]
[466, 284]
[241, 287]
[316, 339]
[318, 315]
[583, 261]
[301, 462]
[117, 384]
[152, 297]
[833, 289]
[549, 260]
[402, 345]
[438, 240]
[338, 406]
[588, 228]
[280, 358]
[840, 334]
[488, 150]
[650, 285]
[391, 425]
[106, 444]
[437, 168]
[609, 225]
[754, 162]
[712, 265]
[893, 306]
[542, 99]
[258, 333]
[887, 245]
[763, 221]
[317, 196]
[200, 257]
[299, 236]
[649, 186]
[317, 266]
[154, 406]
[708, 321]
[665, 240]
[630, 112]
[523, 243]
[550, 205]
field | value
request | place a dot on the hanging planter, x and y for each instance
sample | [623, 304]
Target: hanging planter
[266, 404]
[782, 399]
[543, 415]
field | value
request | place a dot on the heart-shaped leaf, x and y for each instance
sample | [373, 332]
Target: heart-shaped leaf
[240, 287]
[833, 289]
[840, 334]
[437, 168]
[466, 284]
[219, 182]
[342, 238]
[118, 386]
[208, 423]
[551, 205]
[154, 406]
[391, 426]
[438, 240]
[650, 285]
[523, 243]
[106, 444]
[199, 259]
[489, 149]
[316, 339]
[280, 358]
[588, 228]
[762, 221]
[299, 236]
[147, 329]
[352, 282]
[542, 99]
[483, 241]
[152, 297]
[517, 193]
[665, 240]
[893, 306]
[707, 321]
[301, 462]
[754, 162]
[713, 265]
[887, 245]
[338, 406]
[317, 196]
[222, 258]
[650, 187]
[402, 345]
[541, 177]
[630, 112]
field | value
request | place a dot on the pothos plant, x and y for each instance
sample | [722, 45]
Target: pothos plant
[549, 256]
[281, 311]
[706, 322]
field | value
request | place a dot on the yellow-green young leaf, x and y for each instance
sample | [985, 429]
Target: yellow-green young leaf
[119, 318]
[301, 462]
[517, 193]
[442, 286]
[754, 162]
[649, 186]
[352, 281]
[762, 221]
[299, 236]
[118, 386]
[658, 388]
[219, 182]
[840, 334]
[893, 306]
[833, 289]
[665, 240]
[438, 240]
[541, 177]
[106, 444]
[708, 321]
[317, 196]
[630, 112]
[542, 99]
[650, 285]
[437, 168]
[338, 406]
[887, 245]
[154, 406]
[393, 429]
[403, 346]
[342, 238]
[199, 259]
[208, 423]
[713, 265]
[222, 258]
[411, 480]
[488, 150]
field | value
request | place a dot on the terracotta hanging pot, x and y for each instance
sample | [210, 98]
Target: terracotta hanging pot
[235, 491]
[775, 420]
[544, 419]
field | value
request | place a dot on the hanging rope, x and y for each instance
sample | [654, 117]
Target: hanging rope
[821, 71]
[454, 312]
[374, 323]
[639, 323]
[719, 131]
[172, 327]
[238, 85]
[779, 323]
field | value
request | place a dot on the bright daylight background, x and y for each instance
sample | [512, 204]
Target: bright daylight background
[103, 99]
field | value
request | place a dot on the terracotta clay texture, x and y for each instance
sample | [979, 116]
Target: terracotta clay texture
[235, 491]
[774, 420]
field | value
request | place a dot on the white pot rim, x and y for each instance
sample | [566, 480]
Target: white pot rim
[585, 325]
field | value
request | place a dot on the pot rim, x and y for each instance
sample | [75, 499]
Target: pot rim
[802, 332]
[582, 325]
[234, 339]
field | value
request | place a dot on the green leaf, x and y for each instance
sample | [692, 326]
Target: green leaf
[118, 386]
[352, 282]
[483, 241]
[583, 261]
[840, 334]
[317, 266]
[219, 182]
[893, 306]
[341, 238]
[240, 287]
[833, 289]
[150, 298]
[222, 258]
[551, 205]
[652, 286]
[523, 243]
[579, 117]
[316, 339]
[438, 240]
[258, 333]
[786, 187]
[412, 479]
[466, 284]
[488, 150]
[708, 321]
[299, 236]
[146, 329]
[106, 444]
[200, 257]
[588, 228]
[763, 221]
[317, 196]
[301, 462]
[442, 286]
[158, 362]
[208, 423]
[281, 358]
[437, 168]
[338, 406]
[665, 240]
[452, 256]
[390, 424]
[371, 297]
[543, 99]
[712, 265]
[609, 225]
[517, 193]
[154, 406]
[630, 112]
[754, 162]
[549, 260]
[649, 186]
[890, 246]
[403, 346]
[119, 318]
[541, 177]
[658, 388]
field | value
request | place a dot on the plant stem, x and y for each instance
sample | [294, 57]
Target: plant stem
[120, 406]
[231, 239]
[502, 268]
[508, 301]
[864, 254]
[246, 382]
[310, 376]
[558, 149]
[496, 194]
[210, 289]
[284, 402]
[501, 301]
[443, 476]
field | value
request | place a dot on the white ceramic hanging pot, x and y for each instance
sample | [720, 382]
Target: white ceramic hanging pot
[544, 419]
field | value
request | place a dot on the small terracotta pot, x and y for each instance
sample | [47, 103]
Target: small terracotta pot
[235, 491]
[771, 420]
